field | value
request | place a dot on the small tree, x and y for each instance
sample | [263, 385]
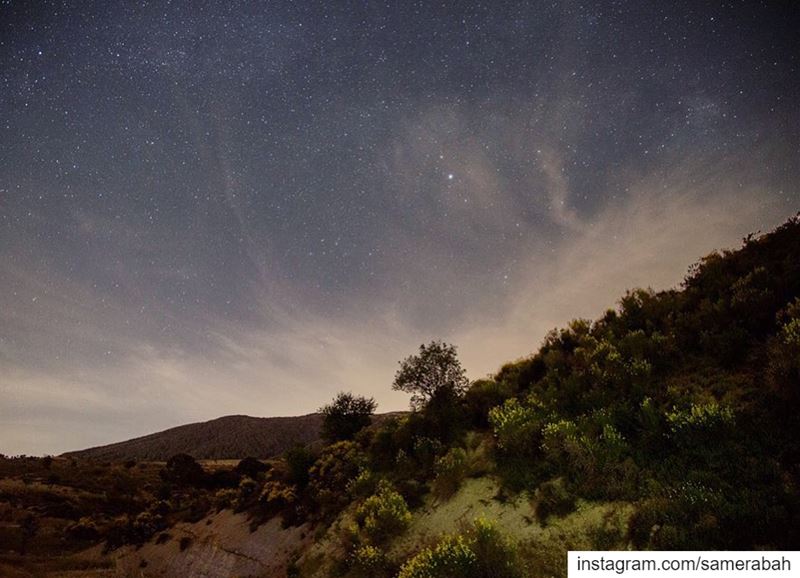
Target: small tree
[251, 467]
[345, 416]
[183, 470]
[434, 373]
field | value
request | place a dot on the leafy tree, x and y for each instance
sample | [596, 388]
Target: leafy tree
[434, 373]
[345, 416]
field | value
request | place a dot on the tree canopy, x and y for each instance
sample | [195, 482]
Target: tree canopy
[433, 372]
[346, 415]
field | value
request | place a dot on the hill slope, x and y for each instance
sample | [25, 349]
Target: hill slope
[233, 436]
[228, 437]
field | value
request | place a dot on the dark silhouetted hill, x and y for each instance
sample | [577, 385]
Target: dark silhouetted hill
[229, 437]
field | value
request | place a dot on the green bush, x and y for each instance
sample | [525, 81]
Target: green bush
[144, 525]
[246, 494]
[383, 446]
[592, 454]
[700, 424]
[382, 515]
[425, 452]
[331, 474]
[682, 517]
[368, 561]
[364, 484]
[452, 557]
[517, 428]
[482, 552]
[481, 397]
[496, 556]
[225, 498]
[783, 369]
[564, 447]
[553, 499]
[450, 469]
[517, 431]
[275, 497]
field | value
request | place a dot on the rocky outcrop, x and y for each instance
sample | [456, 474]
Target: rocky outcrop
[220, 546]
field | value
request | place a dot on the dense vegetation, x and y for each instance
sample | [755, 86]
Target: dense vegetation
[681, 404]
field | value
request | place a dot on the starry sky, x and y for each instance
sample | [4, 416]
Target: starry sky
[210, 208]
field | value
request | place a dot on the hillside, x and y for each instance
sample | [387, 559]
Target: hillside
[229, 437]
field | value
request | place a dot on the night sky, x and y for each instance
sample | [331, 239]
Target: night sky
[210, 208]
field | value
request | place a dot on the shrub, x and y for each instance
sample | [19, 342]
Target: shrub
[481, 397]
[331, 474]
[183, 470]
[480, 553]
[363, 485]
[451, 469]
[682, 517]
[592, 453]
[145, 525]
[225, 498]
[369, 562]
[276, 497]
[563, 446]
[413, 492]
[299, 460]
[425, 451]
[517, 428]
[84, 529]
[248, 488]
[700, 424]
[783, 369]
[383, 447]
[553, 499]
[452, 557]
[496, 556]
[383, 515]
[251, 467]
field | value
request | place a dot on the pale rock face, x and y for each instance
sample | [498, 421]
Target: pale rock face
[222, 546]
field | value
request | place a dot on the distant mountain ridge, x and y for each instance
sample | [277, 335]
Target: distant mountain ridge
[228, 437]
